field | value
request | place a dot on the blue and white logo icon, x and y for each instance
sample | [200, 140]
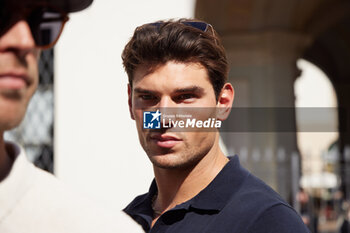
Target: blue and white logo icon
[151, 120]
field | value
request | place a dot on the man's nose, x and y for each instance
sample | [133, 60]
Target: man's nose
[169, 111]
[166, 102]
[18, 37]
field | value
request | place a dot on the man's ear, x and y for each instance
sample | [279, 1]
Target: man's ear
[130, 101]
[225, 101]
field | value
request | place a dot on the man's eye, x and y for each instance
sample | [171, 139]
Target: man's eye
[186, 96]
[147, 97]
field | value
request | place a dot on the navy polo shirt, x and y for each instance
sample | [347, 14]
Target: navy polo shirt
[235, 201]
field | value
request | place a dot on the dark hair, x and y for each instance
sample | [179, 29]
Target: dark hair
[157, 43]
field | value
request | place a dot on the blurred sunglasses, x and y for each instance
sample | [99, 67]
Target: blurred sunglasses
[45, 23]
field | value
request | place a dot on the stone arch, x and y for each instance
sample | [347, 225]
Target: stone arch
[263, 41]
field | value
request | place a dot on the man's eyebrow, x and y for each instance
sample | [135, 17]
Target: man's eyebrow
[195, 89]
[141, 90]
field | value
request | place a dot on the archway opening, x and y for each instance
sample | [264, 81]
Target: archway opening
[316, 105]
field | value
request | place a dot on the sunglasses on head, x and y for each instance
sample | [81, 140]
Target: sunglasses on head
[202, 26]
[195, 24]
[45, 23]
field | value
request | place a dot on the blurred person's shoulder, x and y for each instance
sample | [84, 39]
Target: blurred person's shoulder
[33, 200]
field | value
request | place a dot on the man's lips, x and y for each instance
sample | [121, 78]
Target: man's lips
[13, 80]
[165, 140]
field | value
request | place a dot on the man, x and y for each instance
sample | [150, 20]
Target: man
[181, 66]
[31, 200]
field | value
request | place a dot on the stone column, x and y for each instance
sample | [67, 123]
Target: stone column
[262, 71]
[342, 87]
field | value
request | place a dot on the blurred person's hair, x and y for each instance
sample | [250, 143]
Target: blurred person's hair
[182, 41]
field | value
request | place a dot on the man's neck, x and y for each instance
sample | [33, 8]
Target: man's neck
[177, 186]
[5, 160]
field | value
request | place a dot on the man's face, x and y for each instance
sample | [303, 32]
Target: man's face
[173, 85]
[18, 73]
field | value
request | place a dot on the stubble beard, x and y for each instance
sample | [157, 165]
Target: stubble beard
[175, 160]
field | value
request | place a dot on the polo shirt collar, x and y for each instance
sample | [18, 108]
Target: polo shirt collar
[212, 198]
[217, 194]
[142, 205]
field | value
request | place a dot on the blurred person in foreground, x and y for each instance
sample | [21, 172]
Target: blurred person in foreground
[31, 200]
[197, 189]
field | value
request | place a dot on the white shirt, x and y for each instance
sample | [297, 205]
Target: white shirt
[34, 201]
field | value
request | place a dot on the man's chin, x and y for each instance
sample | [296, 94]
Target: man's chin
[162, 160]
[11, 118]
[170, 162]
[166, 166]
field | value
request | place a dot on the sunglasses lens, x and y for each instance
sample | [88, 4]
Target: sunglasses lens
[46, 26]
[199, 25]
[7, 18]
